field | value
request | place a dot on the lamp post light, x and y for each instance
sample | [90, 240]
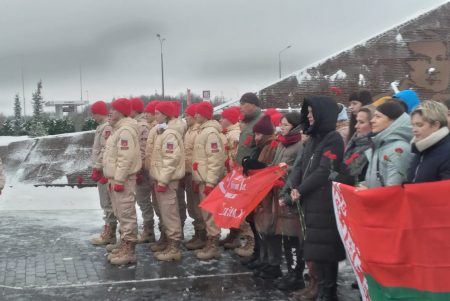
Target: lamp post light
[279, 59]
[161, 40]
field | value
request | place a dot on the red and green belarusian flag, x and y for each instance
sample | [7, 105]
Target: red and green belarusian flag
[397, 239]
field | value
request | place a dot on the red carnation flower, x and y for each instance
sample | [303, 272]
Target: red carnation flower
[350, 160]
[195, 166]
[224, 131]
[386, 158]
[274, 144]
[248, 140]
[399, 150]
[330, 155]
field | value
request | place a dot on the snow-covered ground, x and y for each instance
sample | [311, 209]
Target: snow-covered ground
[28, 197]
[5, 140]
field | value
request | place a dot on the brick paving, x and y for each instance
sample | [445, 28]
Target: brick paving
[46, 255]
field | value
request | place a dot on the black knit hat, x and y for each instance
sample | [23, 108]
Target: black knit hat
[250, 98]
[362, 96]
[293, 118]
[392, 109]
[264, 126]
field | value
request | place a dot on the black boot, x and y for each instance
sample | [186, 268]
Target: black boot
[327, 274]
[271, 272]
[292, 281]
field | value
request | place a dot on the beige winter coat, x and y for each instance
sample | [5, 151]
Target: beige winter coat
[2, 176]
[102, 133]
[122, 156]
[179, 125]
[167, 162]
[149, 145]
[143, 130]
[209, 154]
[232, 134]
[189, 139]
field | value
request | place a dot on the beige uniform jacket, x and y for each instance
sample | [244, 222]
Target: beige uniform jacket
[149, 146]
[167, 163]
[209, 154]
[122, 156]
[102, 133]
[2, 176]
[232, 134]
[143, 130]
[189, 139]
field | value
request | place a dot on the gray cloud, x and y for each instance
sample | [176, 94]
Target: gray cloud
[228, 47]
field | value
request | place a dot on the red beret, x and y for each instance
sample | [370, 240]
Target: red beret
[231, 114]
[99, 107]
[205, 109]
[150, 108]
[167, 108]
[137, 105]
[191, 110]
[122, 105]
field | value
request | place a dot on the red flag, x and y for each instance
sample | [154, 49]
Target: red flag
[397, 239]
[236, 195]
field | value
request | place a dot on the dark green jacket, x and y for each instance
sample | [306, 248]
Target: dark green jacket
[247, 145]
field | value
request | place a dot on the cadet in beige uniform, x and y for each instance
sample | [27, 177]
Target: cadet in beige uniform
[181, 126]
[102, 133]
[231, 130]
[208, 170]
[143, 190]
[167, 168]
[198, 241]
[121, 162]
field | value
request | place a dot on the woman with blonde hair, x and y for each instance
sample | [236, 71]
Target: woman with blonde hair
[431, 143]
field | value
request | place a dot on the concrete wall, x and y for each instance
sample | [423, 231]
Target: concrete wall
[47, 159]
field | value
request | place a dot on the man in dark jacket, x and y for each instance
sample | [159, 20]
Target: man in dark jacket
[310, 185]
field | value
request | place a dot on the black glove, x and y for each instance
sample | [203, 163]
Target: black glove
[249, 164]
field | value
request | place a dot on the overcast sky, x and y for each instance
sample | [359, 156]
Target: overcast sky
[229, 47]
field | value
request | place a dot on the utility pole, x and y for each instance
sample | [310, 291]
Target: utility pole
[162, 63]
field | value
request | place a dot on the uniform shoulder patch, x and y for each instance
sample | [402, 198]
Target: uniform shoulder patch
[124, 144]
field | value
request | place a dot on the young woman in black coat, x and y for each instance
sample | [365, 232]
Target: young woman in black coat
[431, 143]
[312, 188]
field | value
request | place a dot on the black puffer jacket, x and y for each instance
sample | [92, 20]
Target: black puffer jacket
[432, 158]
[310, 177]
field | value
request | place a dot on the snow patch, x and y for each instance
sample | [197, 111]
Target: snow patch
[303, 75]
[399, 38]
[6, 140]
[339, 75]
[362, 80]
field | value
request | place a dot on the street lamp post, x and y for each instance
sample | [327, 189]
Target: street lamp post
[279, 59]
[162, 62]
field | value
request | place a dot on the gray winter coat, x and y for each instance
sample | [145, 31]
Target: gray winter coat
[390, 154]
[288, 218]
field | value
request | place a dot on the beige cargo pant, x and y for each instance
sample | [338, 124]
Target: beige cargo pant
[124, 205]
[192, 202]
[143, 199]
[211, 228]
[169, 211]
[106, 204]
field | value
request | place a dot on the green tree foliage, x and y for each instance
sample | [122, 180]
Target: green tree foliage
[38, 102]
[17, 116]
[89, 125]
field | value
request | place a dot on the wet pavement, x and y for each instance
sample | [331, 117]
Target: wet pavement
[46, 255]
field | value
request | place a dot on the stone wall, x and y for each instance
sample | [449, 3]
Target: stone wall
[415, 54]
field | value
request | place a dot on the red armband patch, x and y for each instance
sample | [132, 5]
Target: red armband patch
[123, 144]
[169, 147]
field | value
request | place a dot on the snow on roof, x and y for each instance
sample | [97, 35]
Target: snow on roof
[303, 74]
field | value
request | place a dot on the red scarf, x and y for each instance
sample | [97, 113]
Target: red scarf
[289, 140]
